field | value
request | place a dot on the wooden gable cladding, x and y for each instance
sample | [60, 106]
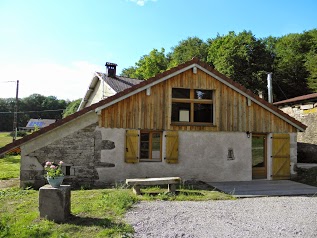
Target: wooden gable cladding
[232, 112]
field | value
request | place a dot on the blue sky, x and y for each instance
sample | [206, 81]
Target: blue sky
[54, 46]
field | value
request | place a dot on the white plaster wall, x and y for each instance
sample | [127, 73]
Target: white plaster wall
[98, 92]
[96, 95]
[202, 155]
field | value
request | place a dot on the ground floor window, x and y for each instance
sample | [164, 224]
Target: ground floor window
[151, 146]
[147, 146]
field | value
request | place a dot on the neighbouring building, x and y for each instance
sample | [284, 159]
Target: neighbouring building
[304, 109]
[189, 121]
[37, 123]
[104, 85]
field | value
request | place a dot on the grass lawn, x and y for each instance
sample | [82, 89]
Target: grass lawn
[10, 167]
[5, 138]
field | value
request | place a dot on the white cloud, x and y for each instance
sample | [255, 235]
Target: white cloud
[142, 2]
[49, 79]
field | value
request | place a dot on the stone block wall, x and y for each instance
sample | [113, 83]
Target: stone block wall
[77, 150]
[293, 152]
[307, 141]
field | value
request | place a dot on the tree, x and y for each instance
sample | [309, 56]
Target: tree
[34, 106]
[311, 66]
[6, 113]
[311, 61]
[245, 59]
[148, 65]
[72, 107]
[128, 72]
[186, 50]
[241, 57]
[290, 73]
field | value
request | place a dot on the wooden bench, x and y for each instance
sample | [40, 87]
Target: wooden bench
[170, 181]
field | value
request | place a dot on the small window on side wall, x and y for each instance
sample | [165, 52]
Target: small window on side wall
[68, 169]
[150, 146]
[192, 106]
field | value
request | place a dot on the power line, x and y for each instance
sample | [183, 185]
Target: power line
[8, 82]
[280, 89]
[34, 111]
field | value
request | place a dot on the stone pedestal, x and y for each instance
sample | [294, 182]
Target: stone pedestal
[54, 203]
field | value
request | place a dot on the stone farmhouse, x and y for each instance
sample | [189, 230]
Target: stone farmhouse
[189, 121]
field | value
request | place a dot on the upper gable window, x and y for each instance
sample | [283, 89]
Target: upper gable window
[192, 106]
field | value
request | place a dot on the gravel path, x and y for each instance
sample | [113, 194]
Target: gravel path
[249, 217]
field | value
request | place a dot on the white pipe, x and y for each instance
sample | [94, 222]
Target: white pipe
[269, 87]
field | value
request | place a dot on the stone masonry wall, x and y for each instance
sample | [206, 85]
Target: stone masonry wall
[307, 141]
[78, 151]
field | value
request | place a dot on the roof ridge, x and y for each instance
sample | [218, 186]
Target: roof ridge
[117, 76]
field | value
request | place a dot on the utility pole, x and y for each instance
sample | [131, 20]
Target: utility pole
[15, 116]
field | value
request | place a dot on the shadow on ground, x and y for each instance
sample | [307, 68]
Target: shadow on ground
[92, 221]
[9, 183]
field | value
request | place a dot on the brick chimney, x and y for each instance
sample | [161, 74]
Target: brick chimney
[111, 69]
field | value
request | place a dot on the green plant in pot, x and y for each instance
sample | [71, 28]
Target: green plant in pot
[54, 173]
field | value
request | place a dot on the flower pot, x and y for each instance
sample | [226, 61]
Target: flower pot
[56, 181]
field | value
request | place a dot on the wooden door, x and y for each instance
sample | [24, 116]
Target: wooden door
[259, 161]
[281, 156]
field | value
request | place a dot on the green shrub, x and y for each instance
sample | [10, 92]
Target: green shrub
[19, 133]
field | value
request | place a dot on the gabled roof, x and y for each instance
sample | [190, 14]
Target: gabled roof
[117, 83]
[312, 97]
[155, 80]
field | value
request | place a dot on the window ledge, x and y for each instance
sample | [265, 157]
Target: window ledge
[150, 160]
[192, 124]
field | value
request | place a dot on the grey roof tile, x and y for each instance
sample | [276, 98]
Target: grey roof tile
[118, 83]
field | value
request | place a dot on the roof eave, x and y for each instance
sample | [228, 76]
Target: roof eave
[90, 89]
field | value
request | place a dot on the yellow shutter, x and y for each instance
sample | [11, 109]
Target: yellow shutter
[132, 142]
[281, 156]
[171, 147]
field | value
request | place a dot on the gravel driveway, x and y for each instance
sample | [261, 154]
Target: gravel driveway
[249, 217]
